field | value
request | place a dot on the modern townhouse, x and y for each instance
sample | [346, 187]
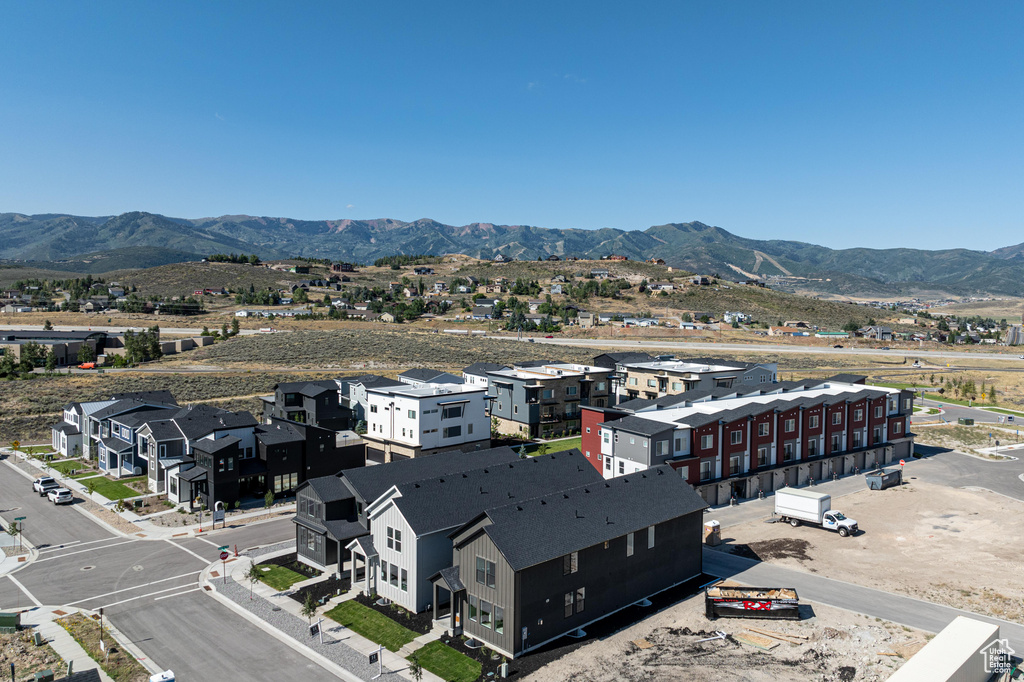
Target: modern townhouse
[67, 436]
[410, 523]
[476, 374]
[667, 375]
[309, 402]
[353, 392]
[540, 399]
[331, 510]
[741, 442]
[414, 420]
[97, 423]
[531, 571]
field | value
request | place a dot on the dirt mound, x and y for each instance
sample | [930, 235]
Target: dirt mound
[782, 548]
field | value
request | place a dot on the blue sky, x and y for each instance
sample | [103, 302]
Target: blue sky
[843, 124]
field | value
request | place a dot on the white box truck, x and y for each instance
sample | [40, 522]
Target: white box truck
[805, 506]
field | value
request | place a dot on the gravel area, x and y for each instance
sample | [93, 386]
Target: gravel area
[298, 629]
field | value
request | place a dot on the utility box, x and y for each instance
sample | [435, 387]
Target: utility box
[965, 421]
[37, 638]
[9, 623]
[712, 533]
[44, 676]
[880, 479]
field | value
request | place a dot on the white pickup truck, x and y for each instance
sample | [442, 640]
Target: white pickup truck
[805, 506]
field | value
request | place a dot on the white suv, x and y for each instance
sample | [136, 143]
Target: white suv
[60, 496]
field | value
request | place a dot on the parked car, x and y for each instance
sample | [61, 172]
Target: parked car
[87, 365]
[549, 336]
[884, 348]
[44, 484]
[60, 496]
[838, 345]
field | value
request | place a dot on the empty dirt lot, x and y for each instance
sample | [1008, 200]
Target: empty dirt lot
[840, 647]
[950, 546]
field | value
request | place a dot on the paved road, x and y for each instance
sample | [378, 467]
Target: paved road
[911, 612]
[951, 412]
[118, 330]
[630, 344]
[47, 525]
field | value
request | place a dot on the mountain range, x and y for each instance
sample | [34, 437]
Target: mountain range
[139, 239]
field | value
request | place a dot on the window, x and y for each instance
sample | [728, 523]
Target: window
[736, 437]
[762, 457]
[570, 563]
[469, 429]
[405, 580]
[762, 429]
[706, 442]
[813, 421]
[485, 613]
[651, 383]
[622, 468]
[677, 386]
[604, 435]
[632, 440]
[588, 429]
[812, 447]
[600, 386]
[221, 464]
[451, 412]
[790, 425]
[705, 471]
[499, 620]
[572, 390]
[650, 537]
[856, 439]
[607, 463]
[858, 415]
[877, 435]
[581, 594]
[661, 448]
[787, 452]
[629, 545]
[412, 414]
[394, 539]
[568, 603]
[906, 403]
[393, 575]
[373, 408]
[548, 394]
[451, 431]
[485, 572]
[285, 482]
[835, 442]
[632, 381]
[515, 408]
[878, 411]
[837, 418]
[384, 572]
[310, 540]
[473, 607]
[734, 464]
[897, 427]
[679, 444]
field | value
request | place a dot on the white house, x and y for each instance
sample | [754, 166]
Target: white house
[409, 421]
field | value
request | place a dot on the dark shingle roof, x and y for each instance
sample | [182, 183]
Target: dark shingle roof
[544, 528]
[329, 488]
[211, 446]
[278, 432]
[115, 444]
[450, 576]
[849, 378]
[422, 374]
[164, 429]
[629, 356]
[194, 474]
[342, 530]
[482, 368]
[641, 426]
[374, 381]
[444, 502]
[200, 420]
[67, 429]
[373, 481]
[163, 397]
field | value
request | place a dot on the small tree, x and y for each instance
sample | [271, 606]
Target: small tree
[252, 574]
[234, 327]
[90, 485]
[86, 353]
[47, 327]
[308, 607]
[268, 499]
[224, 331]
[51, 361]
[415, 669]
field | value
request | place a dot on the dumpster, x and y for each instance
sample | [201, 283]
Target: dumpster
[880, 479]
[965, 421]
[9, 623]
[712, 533]
[777, 603]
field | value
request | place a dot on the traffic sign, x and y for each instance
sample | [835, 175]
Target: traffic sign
[224, 548]
[20, 518]
[902, 462]
[16, 444]
[224, 556]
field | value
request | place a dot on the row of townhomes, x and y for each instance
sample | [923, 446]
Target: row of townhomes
[513, 551]
[739, 442]
[199, 453]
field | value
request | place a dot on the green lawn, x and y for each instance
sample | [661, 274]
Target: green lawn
[67, 466]
[114, 490]
[36, 449]
[279, 577]
[447, 663]
[372, 625]
[1002, 411]
[91, 473]
[534, 449]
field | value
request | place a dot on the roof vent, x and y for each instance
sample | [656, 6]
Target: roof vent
[415, 485]
[518, 508]
[608, 520]
[607, 485]
[578, 515]
[465, 476]
[543, 502]
[482, 491]
[564, 496]
[440, 480]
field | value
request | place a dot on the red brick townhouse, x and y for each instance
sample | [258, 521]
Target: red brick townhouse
[739, 442]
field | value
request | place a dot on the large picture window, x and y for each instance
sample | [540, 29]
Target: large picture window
[485, 572]
[451, 412]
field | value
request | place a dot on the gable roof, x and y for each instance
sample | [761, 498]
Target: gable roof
[212, 446]
[310, 389]
[371, 482]
[482, 368]
[448, 501]
[641, 426]
[424, 375]
[160, 396]
[328, 488]
[199, 420]
[547, 527]
[277, 432]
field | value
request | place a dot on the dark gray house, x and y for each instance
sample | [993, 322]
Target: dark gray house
[528, 572]
[309, 402]
[338, 503]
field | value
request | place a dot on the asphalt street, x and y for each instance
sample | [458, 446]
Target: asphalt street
[952, 413]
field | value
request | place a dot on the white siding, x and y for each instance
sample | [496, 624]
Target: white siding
[389, 516]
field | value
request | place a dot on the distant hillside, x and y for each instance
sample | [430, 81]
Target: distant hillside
[693, 246]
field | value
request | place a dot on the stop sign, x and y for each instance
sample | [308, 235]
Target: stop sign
[224, 555]
[901, 464]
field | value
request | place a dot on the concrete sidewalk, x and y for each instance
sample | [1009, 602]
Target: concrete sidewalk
[344, 652]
